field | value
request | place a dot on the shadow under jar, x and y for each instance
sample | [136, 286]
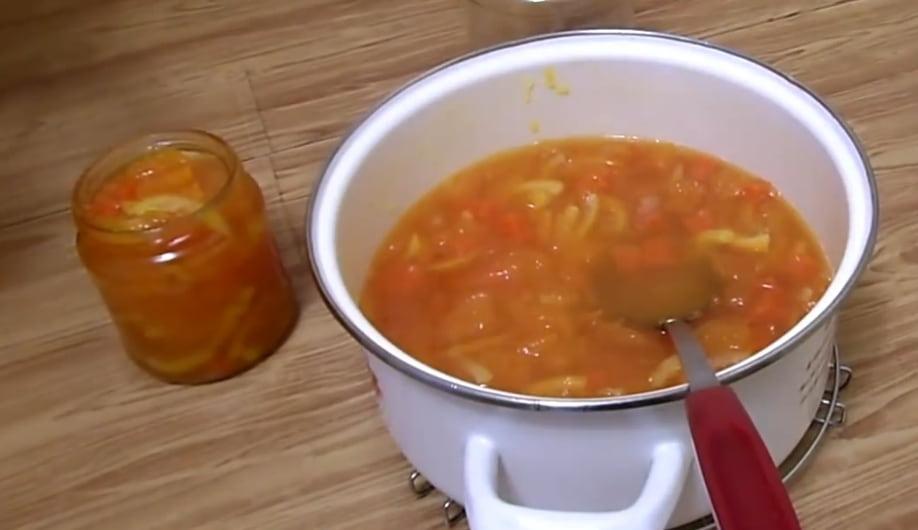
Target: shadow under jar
[173, 231]
[491, 22]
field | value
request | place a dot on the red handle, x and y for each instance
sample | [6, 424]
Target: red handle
[743, 483]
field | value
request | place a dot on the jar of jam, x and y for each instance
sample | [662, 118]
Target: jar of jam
[173, 231]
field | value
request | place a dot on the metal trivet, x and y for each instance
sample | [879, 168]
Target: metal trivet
[831, 413]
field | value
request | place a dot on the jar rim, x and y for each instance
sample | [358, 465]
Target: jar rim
[136, 148]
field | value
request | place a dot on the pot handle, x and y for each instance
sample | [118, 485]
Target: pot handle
[651, 511]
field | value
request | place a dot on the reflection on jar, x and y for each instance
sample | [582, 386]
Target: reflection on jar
[173, 231]
[494, 21]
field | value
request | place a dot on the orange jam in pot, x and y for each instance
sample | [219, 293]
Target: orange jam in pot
[173, 231]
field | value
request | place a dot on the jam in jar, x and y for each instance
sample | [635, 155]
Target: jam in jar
[173, 231]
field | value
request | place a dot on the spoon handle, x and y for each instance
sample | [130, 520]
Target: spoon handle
[743, 484]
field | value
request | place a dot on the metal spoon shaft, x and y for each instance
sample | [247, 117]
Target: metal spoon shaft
[695, 364]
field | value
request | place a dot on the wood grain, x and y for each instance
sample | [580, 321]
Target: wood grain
[87, 441]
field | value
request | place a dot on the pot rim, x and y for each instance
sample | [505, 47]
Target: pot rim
[439, 381]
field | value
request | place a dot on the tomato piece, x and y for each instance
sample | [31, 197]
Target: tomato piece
[627, 257]
[108, 201]
[125, 189]
[593, 182]
[659, 252]
[514, 226]
[483, 209]
[756, 190]
[157, 183]
[117, 191]
[699, 221]
[650, 222]
[702, 167]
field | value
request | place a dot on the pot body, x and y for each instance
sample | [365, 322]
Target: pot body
[525, 462]
[591, 461]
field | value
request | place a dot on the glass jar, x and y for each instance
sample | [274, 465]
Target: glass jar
[494, 21]
[173, 231]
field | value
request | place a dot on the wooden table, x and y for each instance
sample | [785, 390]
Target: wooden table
[87, 441]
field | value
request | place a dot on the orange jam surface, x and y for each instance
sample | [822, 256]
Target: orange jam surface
[498, 275]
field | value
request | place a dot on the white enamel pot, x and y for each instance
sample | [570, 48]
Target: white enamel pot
[520, 462]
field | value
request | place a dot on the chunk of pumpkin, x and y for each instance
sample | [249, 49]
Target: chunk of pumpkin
[724, 236]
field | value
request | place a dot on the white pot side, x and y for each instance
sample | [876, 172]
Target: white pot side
[520, 462]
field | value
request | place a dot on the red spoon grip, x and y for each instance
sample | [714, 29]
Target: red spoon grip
[745, 489]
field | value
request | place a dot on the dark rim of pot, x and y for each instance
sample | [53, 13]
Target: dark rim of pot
[527, 402]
